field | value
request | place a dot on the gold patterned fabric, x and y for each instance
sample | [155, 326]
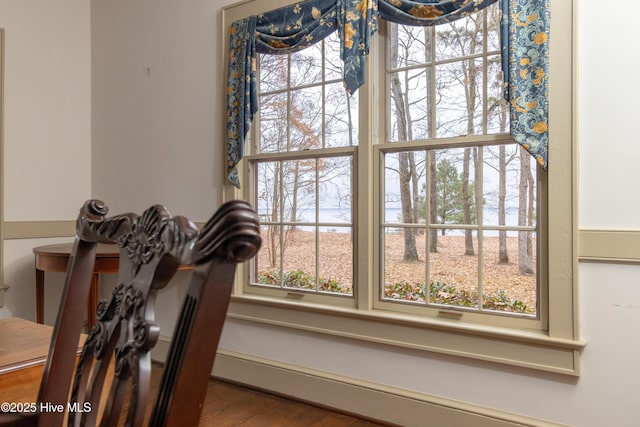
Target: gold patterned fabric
[525, 41]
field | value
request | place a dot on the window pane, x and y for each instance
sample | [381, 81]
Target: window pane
[333, 65]
[404, 280]
[268, 195]
[335, 269]
[341, 119]
[453, 270]
[450, 253]
[273, 123]
[410, 45]
[314, 111]
[509, 189]
[269, 257]
[505, 288]
[455, 189]
[494, 16]
[437, 89]
[306, 215]
[305, 115]
[299, 262]
[299, 190]
[335, 190]
[410, 104]
[306, 66]
[405, 186]
[497, 106]
[459, 90]
[274, 72]
[462, 37]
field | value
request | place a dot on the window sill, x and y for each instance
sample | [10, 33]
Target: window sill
[529, 349]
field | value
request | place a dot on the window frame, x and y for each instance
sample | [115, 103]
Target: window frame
[282, 292]
[556, 350]
[389, 145]
[538, 321]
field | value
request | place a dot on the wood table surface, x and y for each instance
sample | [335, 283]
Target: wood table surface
[54, 259]
[24, 346]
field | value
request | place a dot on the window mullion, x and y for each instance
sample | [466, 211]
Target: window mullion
[430, 157]
[485, 70]
[432, 85]
[480, 220]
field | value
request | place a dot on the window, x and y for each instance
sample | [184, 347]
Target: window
[389, 215]
[443, 96]
[302, 174]
[459, 198]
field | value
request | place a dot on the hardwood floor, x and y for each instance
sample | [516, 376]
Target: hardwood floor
[226, 404]
[233, 405]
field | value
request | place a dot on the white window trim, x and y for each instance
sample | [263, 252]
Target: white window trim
[556, 350]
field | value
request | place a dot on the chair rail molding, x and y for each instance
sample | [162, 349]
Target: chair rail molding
[609, 246]
[37, 229]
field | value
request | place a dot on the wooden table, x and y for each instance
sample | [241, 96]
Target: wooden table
[24, 346]
[54, 259]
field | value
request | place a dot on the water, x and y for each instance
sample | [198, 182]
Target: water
[339, 219]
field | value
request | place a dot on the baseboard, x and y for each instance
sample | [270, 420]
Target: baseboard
[355, 396]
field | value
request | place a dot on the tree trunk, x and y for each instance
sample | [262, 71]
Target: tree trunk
[294, 196]
[410, 250]
[274, 231]
[470, 73]
[431, 156]
[524, 260]
[433, 202]
[466, 203]
[503, 255]
[413, 174]
[477, 188]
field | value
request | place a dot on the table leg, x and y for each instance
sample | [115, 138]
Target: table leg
[39, 296]
[92, 306]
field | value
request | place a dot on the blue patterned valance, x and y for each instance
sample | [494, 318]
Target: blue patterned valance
[525, 61]
[289, 29]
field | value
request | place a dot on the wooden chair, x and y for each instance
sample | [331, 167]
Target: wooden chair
[152, 247]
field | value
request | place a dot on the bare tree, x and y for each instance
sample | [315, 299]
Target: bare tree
[433, 200]
[503, 255]
[407, 172]
[525, 211]
[466, 202]
[467, 40]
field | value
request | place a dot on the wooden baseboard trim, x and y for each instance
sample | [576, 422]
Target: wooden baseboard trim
[354, 396]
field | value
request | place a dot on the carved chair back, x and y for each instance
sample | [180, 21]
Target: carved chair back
[115, 364]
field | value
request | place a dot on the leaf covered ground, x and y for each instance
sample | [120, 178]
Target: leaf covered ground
[448, 266]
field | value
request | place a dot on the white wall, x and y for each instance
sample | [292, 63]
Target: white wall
[157, 110]
[47, 108]
[47, 105]
[609, 148]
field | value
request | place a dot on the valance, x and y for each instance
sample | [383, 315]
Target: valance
[525, 29]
